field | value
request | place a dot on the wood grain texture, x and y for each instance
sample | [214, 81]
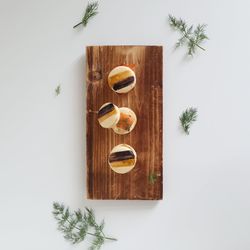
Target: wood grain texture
[146, 138]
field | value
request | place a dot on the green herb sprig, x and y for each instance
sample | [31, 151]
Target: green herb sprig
[77, 225]
[191, 37]
[187, 118]
[58, 90]
[90, 12]
[152, 178]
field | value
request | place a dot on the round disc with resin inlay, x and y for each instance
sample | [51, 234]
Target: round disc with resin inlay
[121, 79]
[108, 115]
[126, 122]
[122, 158]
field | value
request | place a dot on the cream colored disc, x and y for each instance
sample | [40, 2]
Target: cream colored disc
[121, 79]
[126, 122]
[122, 158]
[108, 115]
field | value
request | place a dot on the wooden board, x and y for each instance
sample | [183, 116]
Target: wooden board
[146, 138]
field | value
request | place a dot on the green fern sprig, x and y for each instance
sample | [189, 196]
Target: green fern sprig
[190, 37]
[58, 90]
[90, 12]
[152, 178]
[187, 118]
[77, 225]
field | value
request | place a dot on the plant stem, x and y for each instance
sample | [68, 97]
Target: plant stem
[77, 25]
[92, 234]
[199, 46]
[107, 238]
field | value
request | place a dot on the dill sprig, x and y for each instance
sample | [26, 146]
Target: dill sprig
[58, 90]
[90, 12]
[187, 118]
[191, 37]
[152, 178]
[76, 225]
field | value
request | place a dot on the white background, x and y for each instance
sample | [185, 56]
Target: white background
[206, 202]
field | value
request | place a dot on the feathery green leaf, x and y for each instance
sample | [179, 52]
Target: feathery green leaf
[190, 37]
[58, 90]
[152, 178]
[75, 225]
[90, 12]
[187, 118]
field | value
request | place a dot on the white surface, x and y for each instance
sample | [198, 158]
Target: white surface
[206, 187]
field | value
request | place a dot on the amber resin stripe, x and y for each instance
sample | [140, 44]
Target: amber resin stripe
[123, 164]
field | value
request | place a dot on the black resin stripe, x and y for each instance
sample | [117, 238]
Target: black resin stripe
[124, 83]
[121, 155]
[106, 109]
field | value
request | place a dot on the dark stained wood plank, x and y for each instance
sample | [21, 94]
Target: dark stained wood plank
[146, 138]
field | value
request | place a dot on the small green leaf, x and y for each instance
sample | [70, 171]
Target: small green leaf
[152, 178]
[90, 12]
[191, 38]
[58, 90]
[187, 118]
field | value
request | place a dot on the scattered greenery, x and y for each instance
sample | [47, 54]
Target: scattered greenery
[77, 225]
[152, 178]
[187, 118]
[90, 12]
[58, 90]
[190, 37]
